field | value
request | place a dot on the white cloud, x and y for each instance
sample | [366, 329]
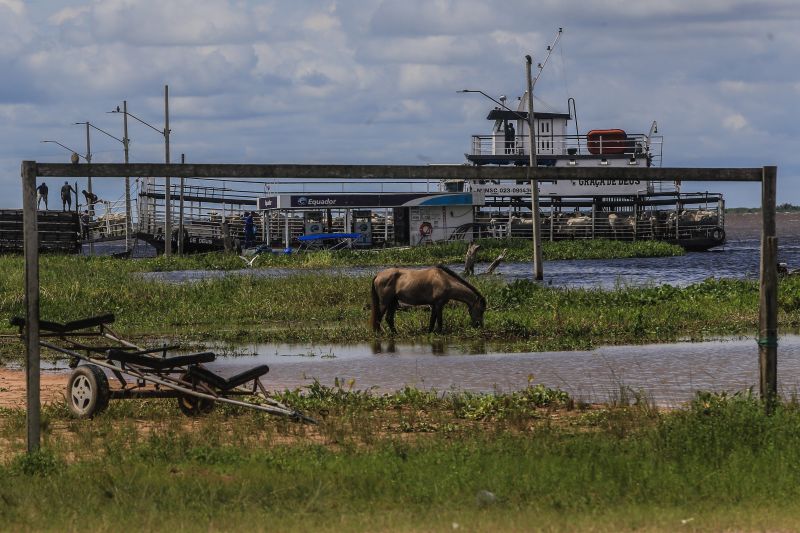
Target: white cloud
[376, 80]
[15, 6]
[738, 86]
[735, 122]
[69, 14]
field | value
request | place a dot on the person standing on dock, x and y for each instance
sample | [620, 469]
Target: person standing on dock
[41, 194]
[66, 196]
[86, 220]
[249, 229]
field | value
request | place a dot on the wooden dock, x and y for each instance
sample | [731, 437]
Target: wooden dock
[59, 231]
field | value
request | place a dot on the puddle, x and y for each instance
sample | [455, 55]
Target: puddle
[669, 373]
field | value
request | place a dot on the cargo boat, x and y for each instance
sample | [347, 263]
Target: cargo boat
[592, 208]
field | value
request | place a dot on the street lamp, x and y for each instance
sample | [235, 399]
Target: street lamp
[167, 192]
[532, 163]
[67, 148]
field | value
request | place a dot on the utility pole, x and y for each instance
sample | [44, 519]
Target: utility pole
[125, 143]
[180, 214]
[89, 185]
[532, 164]
[167, 191]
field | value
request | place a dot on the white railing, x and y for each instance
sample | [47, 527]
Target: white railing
[495, 145]
[109, 220]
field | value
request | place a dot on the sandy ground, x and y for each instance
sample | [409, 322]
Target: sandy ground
[12, 387]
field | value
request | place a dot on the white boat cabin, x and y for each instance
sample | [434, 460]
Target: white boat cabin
[509, 142]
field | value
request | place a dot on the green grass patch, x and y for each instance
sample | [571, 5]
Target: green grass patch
[609, 469]
[453, 252]
[321, 308]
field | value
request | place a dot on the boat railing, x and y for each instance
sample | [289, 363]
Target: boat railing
[109, 219]
[634, 144]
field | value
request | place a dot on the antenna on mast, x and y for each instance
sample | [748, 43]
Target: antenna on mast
[550, 49]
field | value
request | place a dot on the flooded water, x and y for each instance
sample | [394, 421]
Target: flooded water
[738, 258]
[668, 373]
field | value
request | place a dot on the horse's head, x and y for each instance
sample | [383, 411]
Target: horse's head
[476, 311]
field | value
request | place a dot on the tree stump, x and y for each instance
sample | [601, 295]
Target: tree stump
[469, 259]
[227, 242]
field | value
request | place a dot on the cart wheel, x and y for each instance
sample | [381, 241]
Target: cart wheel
[194, 406]
[87, 391]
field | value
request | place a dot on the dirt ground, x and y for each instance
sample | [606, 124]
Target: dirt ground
[12, 387]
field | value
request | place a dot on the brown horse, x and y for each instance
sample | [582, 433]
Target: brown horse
[434, 286]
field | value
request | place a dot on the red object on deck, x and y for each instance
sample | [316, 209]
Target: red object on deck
[602, 142]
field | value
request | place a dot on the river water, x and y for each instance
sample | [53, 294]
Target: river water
[669, 374]
[738, 258]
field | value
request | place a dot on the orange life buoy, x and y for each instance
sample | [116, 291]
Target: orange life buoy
[425, 229]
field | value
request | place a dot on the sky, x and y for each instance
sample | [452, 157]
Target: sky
[375, 82]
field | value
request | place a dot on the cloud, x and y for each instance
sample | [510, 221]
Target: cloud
[156, 23]
[376, 81]
[735, 122]
[17, 7]
[738, 86]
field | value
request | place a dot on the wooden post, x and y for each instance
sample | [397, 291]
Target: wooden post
[31, 247]
[469, 259]
[227, 243]
[768, 297]
[497, 261]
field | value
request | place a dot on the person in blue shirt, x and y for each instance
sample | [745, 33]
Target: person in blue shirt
[249, 229]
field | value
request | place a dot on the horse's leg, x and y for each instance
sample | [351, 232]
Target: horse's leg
[390, 311]
[436, 317]
[440, 316]
[379, 313]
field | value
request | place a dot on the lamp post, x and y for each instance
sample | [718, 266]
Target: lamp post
[124, 142]
[167, 193]
[537, 236]
[126, 147]
[536, 229]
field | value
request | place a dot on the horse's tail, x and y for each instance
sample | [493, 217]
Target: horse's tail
[374, 321]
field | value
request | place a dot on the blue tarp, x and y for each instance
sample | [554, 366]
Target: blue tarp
[322, 236]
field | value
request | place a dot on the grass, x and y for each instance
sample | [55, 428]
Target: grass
[320, 308]
[408, 462]
[518, 250]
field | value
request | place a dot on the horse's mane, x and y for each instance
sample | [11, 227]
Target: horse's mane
[462, 280]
